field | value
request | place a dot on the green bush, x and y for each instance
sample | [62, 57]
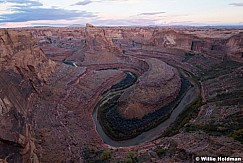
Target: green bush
[237, 135]
[106, 154]
[129, 160]
[93, 150]
[160, 152]
[132, 157]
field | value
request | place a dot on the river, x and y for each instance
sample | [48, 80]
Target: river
[191, 95]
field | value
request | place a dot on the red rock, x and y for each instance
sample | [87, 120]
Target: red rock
[46, 107]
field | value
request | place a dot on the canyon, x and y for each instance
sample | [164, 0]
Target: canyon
[57, 84]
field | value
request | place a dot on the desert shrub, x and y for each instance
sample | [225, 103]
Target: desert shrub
[93, 150]
[132, 157]
[237, 135]
[160, 152]
[223, 68]
[128, 160]
[106, 154]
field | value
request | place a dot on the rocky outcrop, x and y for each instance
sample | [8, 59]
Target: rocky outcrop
[23, 68]
[15, 130]
[20, 53]
[95, 39]
[235, 47]
[158, 87]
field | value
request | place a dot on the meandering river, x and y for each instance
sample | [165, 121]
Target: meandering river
[191, 95]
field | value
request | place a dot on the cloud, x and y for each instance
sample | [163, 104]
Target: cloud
[82, 3]
[22, 2]
[151, 13]
[124, 22]
[29, 10]
[86, 2]
[236, 4]
[122, 0]
[29, 14]
[59, 23]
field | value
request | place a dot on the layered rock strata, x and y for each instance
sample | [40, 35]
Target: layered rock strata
[155, 89]
[46, 107]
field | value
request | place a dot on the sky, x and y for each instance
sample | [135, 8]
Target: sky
[25, 13]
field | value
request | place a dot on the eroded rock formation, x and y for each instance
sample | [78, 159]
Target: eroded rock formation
[23, 68]
[20, 53]
[46, 106]
[156, 88]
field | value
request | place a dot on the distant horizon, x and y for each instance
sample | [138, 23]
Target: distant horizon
[26, 13]
[84, 25]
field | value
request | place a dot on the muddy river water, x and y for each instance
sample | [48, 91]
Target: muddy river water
[191, 95]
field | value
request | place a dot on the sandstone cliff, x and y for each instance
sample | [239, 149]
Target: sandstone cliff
[235, 46]
[23, 67]
[20, 53]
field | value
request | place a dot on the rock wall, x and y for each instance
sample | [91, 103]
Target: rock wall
[20, 53]
[23, 68]
[202, 40]
[235, 47]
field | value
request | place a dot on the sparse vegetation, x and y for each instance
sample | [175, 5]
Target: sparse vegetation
[130, 79]
[188, 55]
[128, 160]
[230, 95]
[92, 154]
[120, 128]
[237, 135]
[223, 68]
[189, 113]
[160, 152]
[106, 154]
[220, 128]
[132, 157]
[93, 150]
